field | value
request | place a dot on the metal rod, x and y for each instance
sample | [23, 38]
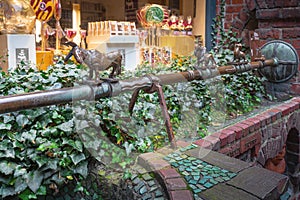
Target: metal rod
[99, 90]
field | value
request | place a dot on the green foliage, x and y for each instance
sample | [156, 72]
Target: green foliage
[242, 91]
[52, 145]
[39, 147]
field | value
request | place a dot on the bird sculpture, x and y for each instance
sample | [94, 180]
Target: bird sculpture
[95, 60]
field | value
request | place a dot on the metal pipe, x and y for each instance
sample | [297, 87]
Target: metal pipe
[99, 90]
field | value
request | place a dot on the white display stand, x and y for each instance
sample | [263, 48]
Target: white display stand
[126, 44]
[15, 48]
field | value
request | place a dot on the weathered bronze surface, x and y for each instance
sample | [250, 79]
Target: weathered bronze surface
[287, 61]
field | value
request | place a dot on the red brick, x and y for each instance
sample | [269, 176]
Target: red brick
[268, 33]
[267, 14]
[295, 88]
[230, 134]
[266, 116]
[256, 122]
[261, 3]
[175, 184]
[203, 143]
[237, 1]
[250, 141]
[245, 128]
[250, 125]
[232, 150]
[270, 3]
[285, 3]
[291, 32]
[290, 13]
[294, 106]
[275, 114]
[262, 120]
[285, 109]
[238, 131]
[181, 195]
[169, 173]
[233, 8]
[251, 5]
[239, 24]
[243, 15]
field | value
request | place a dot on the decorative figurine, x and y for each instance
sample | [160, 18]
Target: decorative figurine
[96, 61]
[238, 54]
[180, 25]
[188, 25]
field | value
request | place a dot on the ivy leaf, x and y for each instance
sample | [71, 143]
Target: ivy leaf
[67, 126]
[5, 126]
[34, 180]
[22, 120]
[7, 167]
[8, 118]
[82, 169]
[29, 135]
[7, 191]
[128, 148]
[76, 158]
[20, 185]
[19, 171]
[8, 153]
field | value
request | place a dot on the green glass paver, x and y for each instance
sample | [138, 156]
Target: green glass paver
[231, 175]
[213, 181]
[196, 178]
[220, 180]
[197, 191]
[185, 173]
[189, 169]
[198, 174]
[193, 182]
[208, 185]
[174, 164]
[202, 181]
[204, 173]
[188, 178]
[215, 175]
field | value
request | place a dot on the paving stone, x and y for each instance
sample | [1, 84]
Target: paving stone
[147, 177]
[143, 190]
[208, 185]
[176, 184]
[158, 193]
[151, 183]
[225, 192]
[169, 173]
[260, 182]
[147, 197]
[181, 195]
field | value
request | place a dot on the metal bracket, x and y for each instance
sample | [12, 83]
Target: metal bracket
[156, 87]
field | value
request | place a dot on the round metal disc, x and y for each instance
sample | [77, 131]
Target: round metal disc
[287, 57]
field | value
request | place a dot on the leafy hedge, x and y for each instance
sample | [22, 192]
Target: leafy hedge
[45, 148]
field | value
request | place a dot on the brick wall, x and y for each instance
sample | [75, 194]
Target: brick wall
[263, 137]
[271, 19]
